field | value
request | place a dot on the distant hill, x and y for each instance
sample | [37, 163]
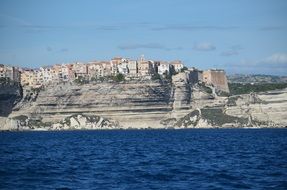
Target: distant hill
[257, 79]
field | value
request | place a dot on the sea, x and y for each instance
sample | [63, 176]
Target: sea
[144, 159]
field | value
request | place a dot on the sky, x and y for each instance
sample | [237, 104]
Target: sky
[240, 36]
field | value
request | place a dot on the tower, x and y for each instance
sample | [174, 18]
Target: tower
[142, 58]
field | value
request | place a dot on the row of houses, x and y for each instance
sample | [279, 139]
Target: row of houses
[132, 68]
[9, 72]
[97, 69]
[91, 70]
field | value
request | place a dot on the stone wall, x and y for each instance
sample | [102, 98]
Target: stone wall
[217, 78]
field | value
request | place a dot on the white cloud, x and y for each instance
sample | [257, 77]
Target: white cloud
[187, 27]
[233, 50]
[229, 53]
[141, 46]
[148, 46]
[204, 46]
[276, 58]
[275, 64]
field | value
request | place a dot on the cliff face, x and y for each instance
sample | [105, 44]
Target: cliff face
[10, 94]
[132, 104]
[142, 104]
[182, 91]
[269, 108]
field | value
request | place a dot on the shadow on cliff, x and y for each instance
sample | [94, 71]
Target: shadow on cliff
[10, 95]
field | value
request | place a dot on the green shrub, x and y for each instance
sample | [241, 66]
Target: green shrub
[36, 90]
[80, 80]
[183, 69]
[238, 88]
[119, 77]
[20, 117]
[156, 76]
[222, 93]
[185, 121]
[205, 88]
[216, 116]
[4, 80]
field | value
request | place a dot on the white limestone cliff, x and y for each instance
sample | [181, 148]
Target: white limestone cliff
[143, 104]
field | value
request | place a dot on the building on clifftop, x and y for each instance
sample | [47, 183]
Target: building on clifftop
[12, 73]
[178, 65]
[195, 75]
[216, 78]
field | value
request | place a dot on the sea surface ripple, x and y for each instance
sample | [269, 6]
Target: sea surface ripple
[145, 159]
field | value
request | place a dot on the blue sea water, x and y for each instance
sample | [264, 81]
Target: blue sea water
[145, 159]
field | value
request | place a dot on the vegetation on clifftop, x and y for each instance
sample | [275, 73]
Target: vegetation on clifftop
[257, 79]
[119, 78]
[238, 88]
[205, 88]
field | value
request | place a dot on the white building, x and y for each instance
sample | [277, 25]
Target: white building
[163, 67]
[177, 65]
[123, 68]
[80, 70]
[133, 68]
[46, 74]
[99, 69]
[65, 70]
[114, 65]
[38, 78]
[9, 72]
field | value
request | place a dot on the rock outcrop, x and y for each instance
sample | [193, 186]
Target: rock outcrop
[10, 95]
[74, 122]
[268, 109]
[182, 91]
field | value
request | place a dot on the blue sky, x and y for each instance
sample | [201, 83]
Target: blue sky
[240, 36]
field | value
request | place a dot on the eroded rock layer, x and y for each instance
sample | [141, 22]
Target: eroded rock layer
[143, 104]
[270, 108]
[132, 104]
